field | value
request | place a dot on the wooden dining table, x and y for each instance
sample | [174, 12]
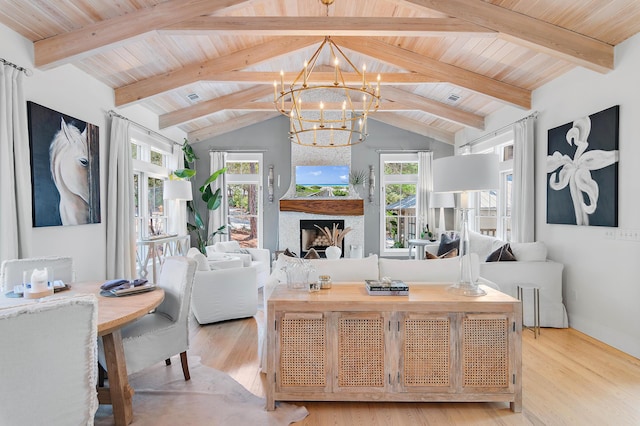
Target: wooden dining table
[113, 314]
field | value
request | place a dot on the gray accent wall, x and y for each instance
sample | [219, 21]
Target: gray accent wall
[271, 137]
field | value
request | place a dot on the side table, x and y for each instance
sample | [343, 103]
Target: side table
[536, 307]
[420, 247]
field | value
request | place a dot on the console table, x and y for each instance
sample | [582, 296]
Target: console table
[341, 344]
[156, 249]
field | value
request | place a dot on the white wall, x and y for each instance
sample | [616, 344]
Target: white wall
[71, 91]
[601, 276]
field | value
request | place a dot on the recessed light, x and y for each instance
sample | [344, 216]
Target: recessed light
[193, 97]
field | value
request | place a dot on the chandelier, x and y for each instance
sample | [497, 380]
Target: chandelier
[325, 113]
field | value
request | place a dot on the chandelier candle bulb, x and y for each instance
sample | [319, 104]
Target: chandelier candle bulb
[364, 81]
[335, 61]
[344, 114]
[275, 91]
[321, 115]
[282, 80]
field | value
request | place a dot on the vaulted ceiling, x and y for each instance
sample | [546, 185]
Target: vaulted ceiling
[444, 64]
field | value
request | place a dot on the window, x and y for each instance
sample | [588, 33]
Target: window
[244, 198]
[493, 208]
[152, 162]
[399, 182]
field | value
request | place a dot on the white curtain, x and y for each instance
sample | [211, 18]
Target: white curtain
[426, 215]
[15, 191]
[177, 209]
[218, 217]
[523, 208]
[121, 234]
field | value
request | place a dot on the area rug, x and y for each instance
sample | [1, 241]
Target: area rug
[211, 397]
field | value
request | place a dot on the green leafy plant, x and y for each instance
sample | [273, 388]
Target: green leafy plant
[212, 199]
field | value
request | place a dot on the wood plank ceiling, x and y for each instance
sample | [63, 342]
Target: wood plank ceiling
[445, 64]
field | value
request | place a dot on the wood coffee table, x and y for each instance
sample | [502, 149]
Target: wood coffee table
[341, 344]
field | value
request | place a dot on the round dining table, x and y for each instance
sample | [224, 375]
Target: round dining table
[113, 314]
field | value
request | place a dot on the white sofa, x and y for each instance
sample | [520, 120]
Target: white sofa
[531, 269]
[222, 294]
[259, 258]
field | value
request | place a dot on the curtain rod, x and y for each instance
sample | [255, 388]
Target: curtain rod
[402, 151]
[237, 150]
[26, 71]
[112, 113]
[500, 130]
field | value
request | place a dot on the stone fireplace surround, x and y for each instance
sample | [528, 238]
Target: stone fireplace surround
[289, 221]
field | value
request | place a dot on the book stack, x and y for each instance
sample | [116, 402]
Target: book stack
[386, 288]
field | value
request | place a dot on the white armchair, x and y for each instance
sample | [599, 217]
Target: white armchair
[222, 294]
[49, 362]
[256, 257]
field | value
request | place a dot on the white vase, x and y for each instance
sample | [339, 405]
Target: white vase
[333, 252]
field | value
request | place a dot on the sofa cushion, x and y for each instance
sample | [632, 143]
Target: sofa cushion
[312, 254]
[484, 245]
[201, 259]
[503, 254]
[436, 271]
[530, 252]
[227, 246]
[447, 244]
[347, 269]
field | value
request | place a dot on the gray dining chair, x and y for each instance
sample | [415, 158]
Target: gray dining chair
[11, 271]
[164, 332]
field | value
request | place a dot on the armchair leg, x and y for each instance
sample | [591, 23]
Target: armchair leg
[167, 361]
[185, 366]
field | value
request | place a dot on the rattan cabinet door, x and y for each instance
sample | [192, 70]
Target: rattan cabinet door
[426, 356]
[360, 352]
[485, 362]
[302, 354]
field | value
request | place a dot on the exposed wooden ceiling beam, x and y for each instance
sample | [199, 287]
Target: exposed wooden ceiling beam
[207, 70]
[230, 125]
[64, 48]
[214, 105]
[334, 25]
[412, 125]
[530, 32]
[412, 61]
[432, 107]
[325, 77]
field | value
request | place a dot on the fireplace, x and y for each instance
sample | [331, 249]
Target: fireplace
[311, 237]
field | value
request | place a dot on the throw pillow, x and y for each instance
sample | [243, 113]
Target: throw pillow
[312, 254]
[289, 253]
[447, 255]
[447, 244]
[503, 254]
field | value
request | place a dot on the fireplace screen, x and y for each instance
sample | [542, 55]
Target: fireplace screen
[311, 237]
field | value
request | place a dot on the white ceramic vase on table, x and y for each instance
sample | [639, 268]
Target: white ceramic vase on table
[333, 252]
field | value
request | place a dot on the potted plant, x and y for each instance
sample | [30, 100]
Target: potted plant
[212, 199]
[335, 238]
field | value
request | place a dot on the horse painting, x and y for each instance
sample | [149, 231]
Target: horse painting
[69, 163]
[65, 168]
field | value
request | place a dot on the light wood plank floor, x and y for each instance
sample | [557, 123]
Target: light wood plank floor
[568, 379]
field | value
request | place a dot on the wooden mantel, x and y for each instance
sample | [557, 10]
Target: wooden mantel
[333, 207]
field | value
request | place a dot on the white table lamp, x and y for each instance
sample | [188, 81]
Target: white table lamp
[441, 200]
[463, 174]
[177, 190]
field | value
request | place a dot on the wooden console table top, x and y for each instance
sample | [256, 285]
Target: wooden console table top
[346, 296]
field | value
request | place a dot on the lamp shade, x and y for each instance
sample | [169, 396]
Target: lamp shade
[461, 173]
[177, 190]
[441, 199]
